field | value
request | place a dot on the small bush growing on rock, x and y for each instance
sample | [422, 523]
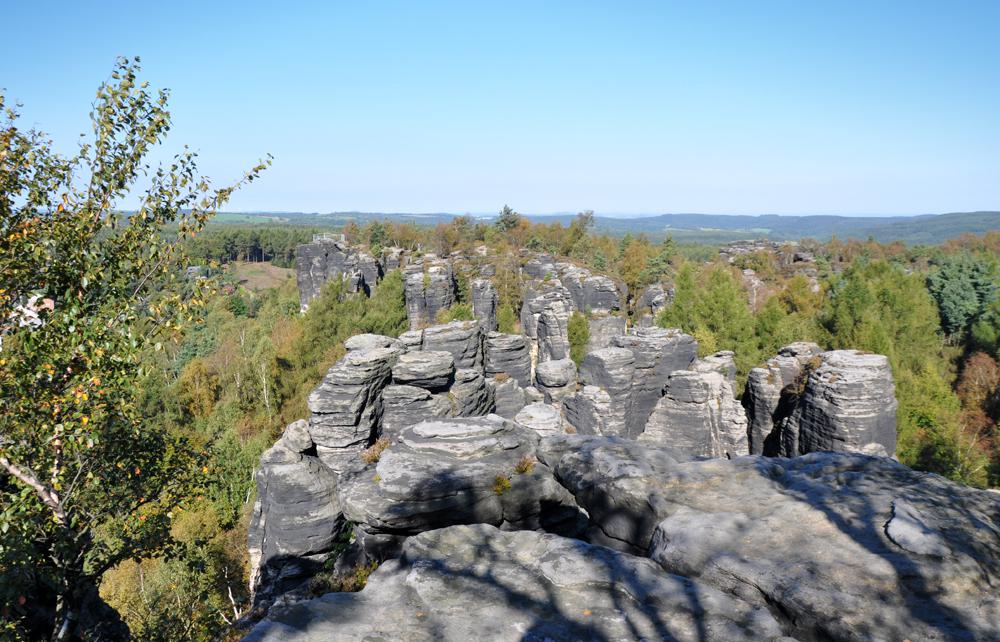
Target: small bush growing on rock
[525, 465]
[500, 377]
[372, 454]
[351, 582]
[501, 484]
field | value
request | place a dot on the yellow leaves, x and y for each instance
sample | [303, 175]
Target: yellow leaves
[84, 420]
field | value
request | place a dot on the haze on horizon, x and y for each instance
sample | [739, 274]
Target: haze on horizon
[733, 108]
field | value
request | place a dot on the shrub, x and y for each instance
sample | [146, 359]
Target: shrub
[525, 465]
[579, 334]
[373, 453]
[501, 484]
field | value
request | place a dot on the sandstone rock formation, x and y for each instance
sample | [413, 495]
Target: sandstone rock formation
[484, 303]
[545, 419]
[463, 339]
[902, 554]
[763, 395]
[430, 369]
[448, 471]
[556, 379]
[613, 370]
[508, 354]
[326, 259]
[603, 328]
[429, 288]
[346, 406]
[479, 583]
[698, 415]
[404, 406]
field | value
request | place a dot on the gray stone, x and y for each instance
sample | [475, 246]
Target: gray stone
[428, 289]
[430, 369]
[508, 354]
[328, 259]
[484, 303]
[470, 396]
[766, 386]
[603, 329]
[479, 583]
[723, 362]
[612, 369]
[368, 341]
[556, 379]
[446, 471]
[849, 402]
[841, 546]
[587, 411]
[698, 415]
[508, 396]
[404, 406]
[346, 405]
[543, 418]
[658, 352]
[411, 340]
[463, 339]
[533, 395]
[296, 518]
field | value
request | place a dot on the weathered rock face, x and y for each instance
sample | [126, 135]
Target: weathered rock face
[612, 369]
[903, 555]
[368, 341]
[556, 379]
[296, 518]
[446, 472]
[763, 395]
[657, 352]
[428, 290]
[543, 418]
[316, 263]
[587, 411]
[603, 329]
[545, 318]
[508, 354]
[849, 403]
[479, 583]
[652, 300]
[430, 369]
[470, 396]
[404, 406]
[723, 362]
[463, 339]
[698, 415]
[484, 303]
[347, 405]
[508, 397]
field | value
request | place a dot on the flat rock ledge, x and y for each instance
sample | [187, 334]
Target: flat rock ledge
[479, 583]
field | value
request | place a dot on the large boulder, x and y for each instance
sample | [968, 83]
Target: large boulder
[346, 405]
[430, 369]
[556, 379]
[588, 410]
[296, 517]
[428, 289]
[326, 260]
[463, 339]
[508, 354]
[545, 318]
[508, 396]
[839, 546]
[849, 403]
[484, 303]
[770, 393]
[404, 406]
[470, 396]
[369, 341]
[458, 471]
[613, 370]
[658, 352]
[699, 415]
[545, 419]
[479, 583]
[603, 328]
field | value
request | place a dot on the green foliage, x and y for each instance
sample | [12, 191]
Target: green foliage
[457, 312]
[579, 334]
[508, 219]
[88, 482]
[985, 332]
[506, 319]
[964, 287]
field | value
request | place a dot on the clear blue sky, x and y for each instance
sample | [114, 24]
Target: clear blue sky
[621, 107]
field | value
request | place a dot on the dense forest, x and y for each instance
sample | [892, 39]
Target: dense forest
[143, 397]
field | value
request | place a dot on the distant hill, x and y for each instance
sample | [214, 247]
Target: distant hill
[696, 228]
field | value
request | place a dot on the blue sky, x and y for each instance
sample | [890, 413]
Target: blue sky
[626, 107]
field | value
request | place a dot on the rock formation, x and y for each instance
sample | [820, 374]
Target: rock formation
[325, 259]
[603, 328]
[763, 394]
[508, 354]
[698, 415]
[556, 379]
[429, 288]
[463, 339]
[484, 303]
[480, 583]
